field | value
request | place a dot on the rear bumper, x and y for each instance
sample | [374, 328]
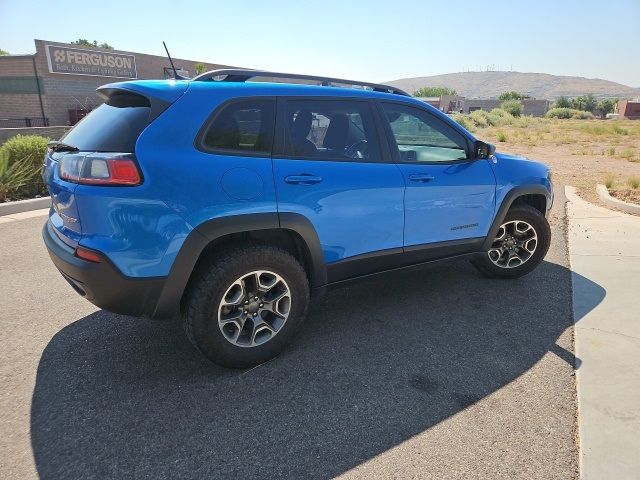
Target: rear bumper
[102, 283]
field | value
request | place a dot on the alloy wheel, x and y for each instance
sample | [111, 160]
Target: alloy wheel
[254, 308]
[515, 243]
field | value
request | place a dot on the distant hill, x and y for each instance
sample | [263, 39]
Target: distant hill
[537, 85]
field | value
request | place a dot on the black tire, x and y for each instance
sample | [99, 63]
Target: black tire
[534, 218]
[200, 318]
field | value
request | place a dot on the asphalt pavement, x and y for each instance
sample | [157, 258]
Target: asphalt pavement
[436, 374]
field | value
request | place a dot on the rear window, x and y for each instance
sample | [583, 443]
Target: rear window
[241, 128]
[112, 127]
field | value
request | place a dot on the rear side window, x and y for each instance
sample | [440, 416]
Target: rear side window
[330, 130]
[242, 128]
[112, 127]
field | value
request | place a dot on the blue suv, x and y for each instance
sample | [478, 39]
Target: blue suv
[228, 201]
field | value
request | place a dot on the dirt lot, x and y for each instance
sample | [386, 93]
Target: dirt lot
[581, 153]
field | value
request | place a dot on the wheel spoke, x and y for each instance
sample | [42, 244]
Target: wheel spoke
[495, 253]
[260, 327]
[265, 281]
[530, 245]
[522, 227]
[235, 294]
[231, 317]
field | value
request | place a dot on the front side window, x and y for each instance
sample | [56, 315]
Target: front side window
[244, 127]
[422, 137]
[330, 130]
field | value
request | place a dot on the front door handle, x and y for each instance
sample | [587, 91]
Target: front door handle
[421, 177]
[302, 179]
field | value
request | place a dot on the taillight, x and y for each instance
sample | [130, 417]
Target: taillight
[100, 169]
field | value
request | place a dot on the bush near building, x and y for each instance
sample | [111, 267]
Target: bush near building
[587, 103]
[513, 106]
[497, 117]
[434, 92]
[565, 113]
[513, 95]
[20, 167]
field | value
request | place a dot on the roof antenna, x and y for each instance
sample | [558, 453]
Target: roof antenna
[175, 72]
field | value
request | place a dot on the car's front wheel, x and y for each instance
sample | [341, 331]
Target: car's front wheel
[519, 246]
[246, 305]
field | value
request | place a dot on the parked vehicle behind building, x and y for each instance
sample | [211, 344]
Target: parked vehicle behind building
[228, 202]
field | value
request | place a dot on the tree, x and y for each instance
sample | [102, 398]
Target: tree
[513, 106]
[200, 68]
[512, 95]
[605, 106]
[84, 43]
[562, 102]
[434, 92]
[4, 53]
[584, 102]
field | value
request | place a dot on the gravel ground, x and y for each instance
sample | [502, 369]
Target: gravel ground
[439, 374]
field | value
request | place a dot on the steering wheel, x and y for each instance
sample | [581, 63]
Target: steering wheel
[360, 149]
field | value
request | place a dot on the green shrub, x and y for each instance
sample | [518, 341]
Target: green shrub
[566, 113]
[26, 148]
[560, 112]
[634, 182]
[434, 92]
[495, 118]
[513, 95]
[502, 137]
[480, 118]
[502, 114]
[17, 181]
[464, 120]
[513, 107]
[581, 115]
[21, 160]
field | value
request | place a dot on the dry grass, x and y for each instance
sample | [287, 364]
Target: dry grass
[580, 152]
[609, 180]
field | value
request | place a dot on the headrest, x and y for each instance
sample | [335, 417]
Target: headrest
[337, 133]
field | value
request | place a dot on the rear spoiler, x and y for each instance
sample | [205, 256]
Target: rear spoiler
[156, 94]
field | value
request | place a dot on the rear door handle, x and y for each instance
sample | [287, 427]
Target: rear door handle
[421, 177]
[302, 179]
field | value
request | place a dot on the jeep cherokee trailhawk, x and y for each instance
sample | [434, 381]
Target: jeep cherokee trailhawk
[227, 201]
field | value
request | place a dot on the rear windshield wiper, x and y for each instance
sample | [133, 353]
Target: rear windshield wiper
[62, 147]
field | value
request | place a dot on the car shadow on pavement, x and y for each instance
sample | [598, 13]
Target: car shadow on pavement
[375, 364]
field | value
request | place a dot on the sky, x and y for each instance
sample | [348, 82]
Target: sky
[366, 40]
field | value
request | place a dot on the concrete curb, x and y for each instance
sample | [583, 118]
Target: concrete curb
[9, 208]
[603, 193]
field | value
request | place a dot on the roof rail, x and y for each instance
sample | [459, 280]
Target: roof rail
[242, 75]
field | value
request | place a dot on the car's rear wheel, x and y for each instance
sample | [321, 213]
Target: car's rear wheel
[246, 305]
[519, 246]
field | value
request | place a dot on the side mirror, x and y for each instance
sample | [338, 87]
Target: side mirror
[483, 149]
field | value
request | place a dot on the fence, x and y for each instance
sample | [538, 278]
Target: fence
[54, 133]
[25, 122]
